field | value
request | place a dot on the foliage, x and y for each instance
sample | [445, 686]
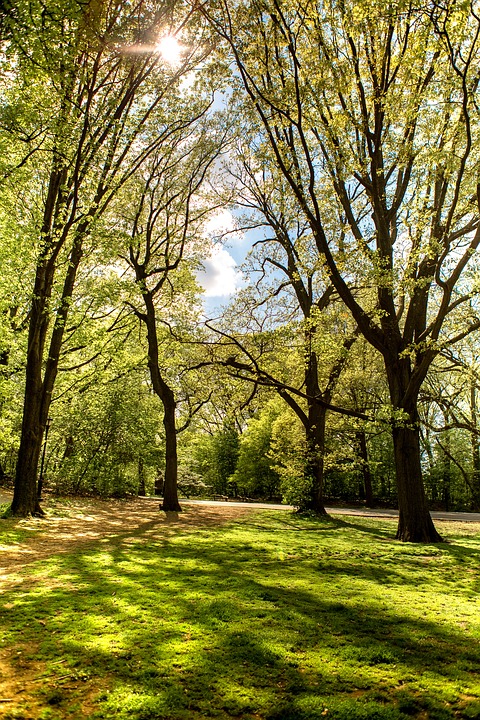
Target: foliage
[224, 448]
[288, 456]
[255, 474]
[356, 110]
[97, 441]
[354, 166]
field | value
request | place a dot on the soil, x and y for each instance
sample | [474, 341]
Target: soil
[69, 526]
[88, 521]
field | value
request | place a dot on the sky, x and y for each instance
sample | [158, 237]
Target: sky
[221, 275]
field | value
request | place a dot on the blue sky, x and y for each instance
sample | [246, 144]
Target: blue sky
[221, 275]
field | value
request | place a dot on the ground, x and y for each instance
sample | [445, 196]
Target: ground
[116, 610]
[87, 523]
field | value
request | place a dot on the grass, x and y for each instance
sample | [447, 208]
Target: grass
[273, 617]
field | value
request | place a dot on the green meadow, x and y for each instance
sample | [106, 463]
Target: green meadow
[273, 616]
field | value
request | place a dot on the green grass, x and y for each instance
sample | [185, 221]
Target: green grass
[273, 617]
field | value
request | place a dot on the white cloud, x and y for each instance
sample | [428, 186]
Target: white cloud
[219, 276]
[223, 223]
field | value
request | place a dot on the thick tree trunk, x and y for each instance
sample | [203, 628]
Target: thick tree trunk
[170, 489]
[25, 500]
[415, 523]
[38, 391]
[314, 429]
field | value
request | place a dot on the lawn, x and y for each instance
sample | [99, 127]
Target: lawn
[271, 616]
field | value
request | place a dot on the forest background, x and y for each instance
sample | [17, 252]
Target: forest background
[338, 146]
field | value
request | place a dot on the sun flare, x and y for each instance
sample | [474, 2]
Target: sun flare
[170, 49]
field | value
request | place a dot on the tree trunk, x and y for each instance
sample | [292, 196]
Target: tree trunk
[38, 391]
[170, 488]
[314, 468]
[159, 483]
[315, 427]
[415, 523]
[362, 453]
[25, 500]
[166, 395]
[475, 487]
[141, 477]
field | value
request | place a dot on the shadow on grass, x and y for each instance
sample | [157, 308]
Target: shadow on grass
[383, 533]
[461, 555]
[244, 624]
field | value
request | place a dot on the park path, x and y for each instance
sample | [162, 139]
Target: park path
[357, 511]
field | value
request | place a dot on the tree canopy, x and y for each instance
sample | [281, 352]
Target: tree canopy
[343, 138]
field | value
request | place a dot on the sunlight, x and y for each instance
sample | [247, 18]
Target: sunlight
[170, 49]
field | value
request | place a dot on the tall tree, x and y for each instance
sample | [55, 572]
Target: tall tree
[163, 229]
[288, 286]
[106, 89]
[257, 330]
[363, 111]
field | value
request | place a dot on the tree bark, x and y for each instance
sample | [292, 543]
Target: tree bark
[314, 423]
[475, 487]
[25, 500]
[166, 395]
[38, 390]
[170, 488]
[415, 523]
[314, 468]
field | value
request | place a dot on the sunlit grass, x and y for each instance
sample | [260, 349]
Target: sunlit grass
[273, 617]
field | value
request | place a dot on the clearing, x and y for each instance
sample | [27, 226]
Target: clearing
[113, 609]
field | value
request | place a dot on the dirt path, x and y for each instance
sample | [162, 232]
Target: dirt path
[86, 522]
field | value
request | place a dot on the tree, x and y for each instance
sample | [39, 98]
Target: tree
[254, 473]
[450, 410]
[363, 388]
[104, 436]
[370, 117]
[288, 287]
[213, 455]
[164, 222]
[105, 89]
[293, 360]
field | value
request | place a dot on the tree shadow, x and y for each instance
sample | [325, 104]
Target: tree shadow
[185, 628]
